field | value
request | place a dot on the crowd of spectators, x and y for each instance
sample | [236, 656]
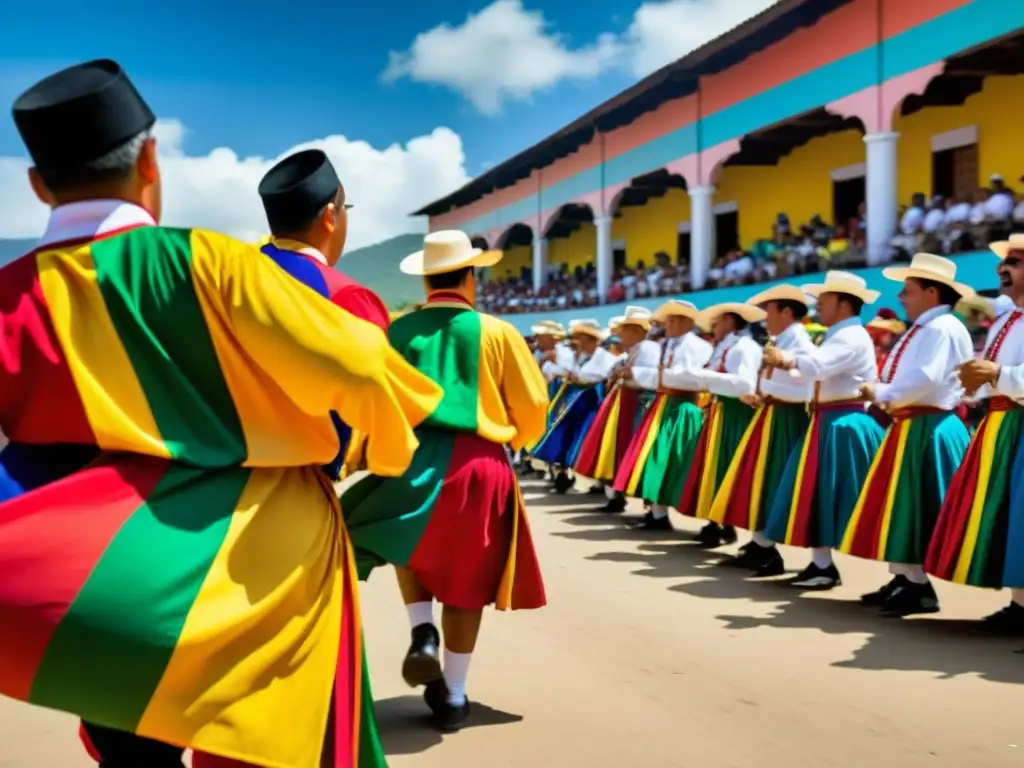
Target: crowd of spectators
[945, 225]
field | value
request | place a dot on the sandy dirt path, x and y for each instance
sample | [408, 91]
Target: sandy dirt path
[649, 655]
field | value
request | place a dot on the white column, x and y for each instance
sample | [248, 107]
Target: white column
[702, 234]
[604, 257]
[540, 262]
[882, 201]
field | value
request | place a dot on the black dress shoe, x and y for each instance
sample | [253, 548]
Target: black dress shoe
[773, 564]
[910, 599]
[815, 579]
[1008, 622]
[422, 664]
[595, 490]
[616, 505]
[764, 561]
[714, 535]
[651, 523]
[448, 718]
[879, 596]
[563, 482]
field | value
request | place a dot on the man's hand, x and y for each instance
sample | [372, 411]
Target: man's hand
[867, 391]
[572, 378]
[976, 373]
[773, 358]
[754, 401]
[626, 374]
[550, 356]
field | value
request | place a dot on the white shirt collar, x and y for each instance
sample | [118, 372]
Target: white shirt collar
[297, 247]
[931, 314]
[90, 218]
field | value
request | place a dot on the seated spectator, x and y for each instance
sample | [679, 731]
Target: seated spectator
[907, 241]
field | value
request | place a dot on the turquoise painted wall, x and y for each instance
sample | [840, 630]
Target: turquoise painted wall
[976, 269]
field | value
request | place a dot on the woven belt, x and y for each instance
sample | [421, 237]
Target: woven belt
[836, 405]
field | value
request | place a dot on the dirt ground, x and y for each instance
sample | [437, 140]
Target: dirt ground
[650, 655]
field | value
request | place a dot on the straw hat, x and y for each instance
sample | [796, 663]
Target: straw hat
[587, 328]
[843, 282]
[748, 312]
[1002, 247]
[928, 266]
[548, 328]
[615, 323]
[447, 251]
[783, 292]
[675, 308]
[637, 316]
[895, 327]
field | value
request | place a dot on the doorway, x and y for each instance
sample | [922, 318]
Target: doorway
[727, 232]
[847, 196]
[955, 172]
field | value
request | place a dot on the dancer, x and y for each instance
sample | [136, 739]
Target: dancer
[605, 443]
[922, 449]
[308, 218]
[755, 473]
[454, 525]
[661, 450]
[979, 536]
[827, 469]
[581, 400]
[127, 588]
[730, 374]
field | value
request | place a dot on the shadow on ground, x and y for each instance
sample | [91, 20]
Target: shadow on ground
[405, 727]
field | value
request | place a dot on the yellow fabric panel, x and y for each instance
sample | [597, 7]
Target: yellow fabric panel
[512, 403]
[272, 598]
[290, 357]
[114, 402]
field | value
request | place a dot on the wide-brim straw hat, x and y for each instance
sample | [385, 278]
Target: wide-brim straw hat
[928, 266]
[447, 251]
[895, 327]
[548, 328]
[615, 323]
[587, 328]
[975, 303]
[837, 281]
[784, 292]
[675, 308]
[1003, 247]
[637, 316]
[748, 312]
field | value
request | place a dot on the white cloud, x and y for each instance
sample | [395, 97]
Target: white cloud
[507, 52]
[503, 53]
[218, 190]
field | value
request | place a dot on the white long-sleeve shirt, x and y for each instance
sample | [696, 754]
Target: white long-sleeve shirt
[563, 363]
[644, 356]
[784, 385]
[1009, 354]
[591, 369]
[922, 368]
[731, 371]
[843, 361]
[680, 355]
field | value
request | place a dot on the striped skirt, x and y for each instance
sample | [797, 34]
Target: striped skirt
[577, 410]
[661, 451]
[456, 519]
[755, 473]
[604, 446]
[899, 504]
[984, 509]
[725, 422]
[823, 476]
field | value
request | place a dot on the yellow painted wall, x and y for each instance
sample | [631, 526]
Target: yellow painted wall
[653, 227]
[800, 185]
[1000, 149]
[515, 259]
[575, 250]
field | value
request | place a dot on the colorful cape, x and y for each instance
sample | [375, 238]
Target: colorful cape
[158, 590]
[456, 517]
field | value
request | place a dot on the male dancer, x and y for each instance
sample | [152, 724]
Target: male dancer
[605, 443]
[752, 480]
[979, 537]
[581, 401]
[825, 472]
[919, 390]
[308, 218]
[730, 374]
[162, 349]
[661, 450]
[454, 525]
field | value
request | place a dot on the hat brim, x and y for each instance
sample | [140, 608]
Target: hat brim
[748, 312]
[415, 263]
[546, 330]
[890, 326]
[866, 295]
[1002, 248]
[674, 309]
[644, 323]
[779, 293]
[900, 274]
[597, 333]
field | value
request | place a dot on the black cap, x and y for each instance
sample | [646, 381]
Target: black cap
[80, 114]
[296, 189]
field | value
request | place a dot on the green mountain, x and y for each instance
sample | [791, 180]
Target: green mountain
[376, 267]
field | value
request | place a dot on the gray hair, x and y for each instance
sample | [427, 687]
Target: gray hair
[116, 163]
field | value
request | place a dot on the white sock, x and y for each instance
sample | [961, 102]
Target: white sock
[897, 569]
[659, 511]
[421, 613]
[456, 670]
[821, 556]
[761, 540]
[1017, 596]
[916, 574]
[609, 492]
